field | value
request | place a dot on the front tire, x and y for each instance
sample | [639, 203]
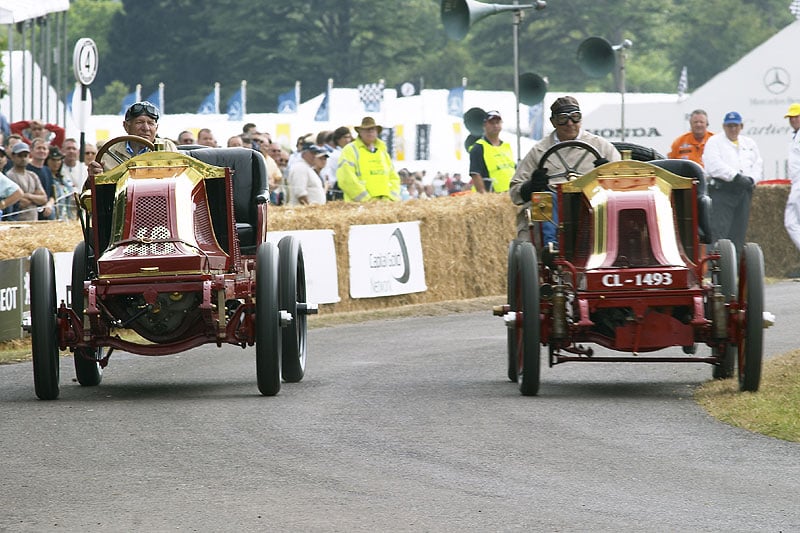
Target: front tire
[293, 299]
[528, 327]
[44, 327]
[87, 366]
[267, 321]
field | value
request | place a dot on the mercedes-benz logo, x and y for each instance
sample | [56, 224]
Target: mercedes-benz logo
[777, 80]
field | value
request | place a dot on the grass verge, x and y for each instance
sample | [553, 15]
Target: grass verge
[773, 411]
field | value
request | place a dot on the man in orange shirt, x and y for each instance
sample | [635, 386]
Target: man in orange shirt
[691, 144]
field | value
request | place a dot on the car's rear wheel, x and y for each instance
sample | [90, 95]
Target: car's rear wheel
[44, 328]
[511, 276]
[87, 366]
[293, 300]
[527, 323]
[268, 330]
[751, 303]
[726, 279]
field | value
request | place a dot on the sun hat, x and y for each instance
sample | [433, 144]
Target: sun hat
[367, 123]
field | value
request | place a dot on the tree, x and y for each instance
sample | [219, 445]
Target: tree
[191, 45]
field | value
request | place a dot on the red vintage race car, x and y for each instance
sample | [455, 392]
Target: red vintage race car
[175, 255]
[631, 273]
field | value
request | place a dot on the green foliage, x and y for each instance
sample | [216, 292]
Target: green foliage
[90, 18]
[108, 103]
[190, 45]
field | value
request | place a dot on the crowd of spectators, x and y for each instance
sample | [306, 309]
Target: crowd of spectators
[53, 159]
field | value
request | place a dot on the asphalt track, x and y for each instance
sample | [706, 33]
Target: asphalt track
[400, 425]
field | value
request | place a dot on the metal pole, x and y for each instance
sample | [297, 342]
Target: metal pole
[622, 91]
[517, 19]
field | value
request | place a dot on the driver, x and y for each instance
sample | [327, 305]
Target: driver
[565, 116]
[141, 119]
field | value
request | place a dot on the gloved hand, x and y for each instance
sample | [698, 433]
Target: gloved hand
[600, 161]
[538, 182]
[745, 182]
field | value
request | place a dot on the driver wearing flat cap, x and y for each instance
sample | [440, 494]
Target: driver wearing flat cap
[566, 118]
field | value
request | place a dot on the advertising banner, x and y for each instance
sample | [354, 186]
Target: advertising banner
[385, 260]
[319, 257]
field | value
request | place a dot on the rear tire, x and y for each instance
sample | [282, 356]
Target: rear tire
[293, 292]
[267, 321]
[528, 327]
[751, 301]
[87, 367]
[512, 274]
[44, 327]
[727, 283]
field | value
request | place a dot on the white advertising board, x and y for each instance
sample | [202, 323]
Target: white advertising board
[385, 260]
[319, 257]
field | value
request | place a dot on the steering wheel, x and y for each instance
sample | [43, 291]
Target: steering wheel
[569, 172]
[116, 157]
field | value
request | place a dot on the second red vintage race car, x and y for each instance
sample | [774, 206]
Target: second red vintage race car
[633, 272]
[175, 255]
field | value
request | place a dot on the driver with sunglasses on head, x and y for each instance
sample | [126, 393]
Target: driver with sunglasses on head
[565, 116]
[141, 119]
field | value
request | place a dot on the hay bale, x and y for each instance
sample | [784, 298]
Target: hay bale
[464, 243]
[20, 240]
[781, 256]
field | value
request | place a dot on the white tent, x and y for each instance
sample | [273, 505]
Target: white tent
[13, 11]
[760, 86]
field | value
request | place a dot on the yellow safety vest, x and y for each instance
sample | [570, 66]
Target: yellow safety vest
[363, 175]
[499, 162]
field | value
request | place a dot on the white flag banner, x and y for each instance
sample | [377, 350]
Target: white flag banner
[319, 257]
[385, 260]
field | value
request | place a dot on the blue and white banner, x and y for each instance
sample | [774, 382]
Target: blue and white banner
[235, 105]
[157, 98]
[210, 105]
[536, 119]
[455, 102]
[287, 102]
[323, 112]
[127, 101]
[386, 259]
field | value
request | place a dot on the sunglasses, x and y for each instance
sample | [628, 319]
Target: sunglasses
[562, 118]
[142, 108]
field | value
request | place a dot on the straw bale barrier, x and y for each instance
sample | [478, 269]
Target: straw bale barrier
[464, 241]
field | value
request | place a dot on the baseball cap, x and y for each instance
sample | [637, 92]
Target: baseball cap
[3, 151]
[732, 117]
[492, 114]
[20, 147]
[794, 110]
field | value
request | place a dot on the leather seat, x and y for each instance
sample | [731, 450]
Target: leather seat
[250, 188]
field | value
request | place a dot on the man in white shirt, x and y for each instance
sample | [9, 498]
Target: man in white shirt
[791, 216]
[734, 164]
[304, 185]
[72, 169]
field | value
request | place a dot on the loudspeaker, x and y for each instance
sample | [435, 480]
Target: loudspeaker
[473, 120]
[596, 57]
[459, 15]
[532, 88]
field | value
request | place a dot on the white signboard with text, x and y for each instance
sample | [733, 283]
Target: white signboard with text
[385, 260]
[319, 257]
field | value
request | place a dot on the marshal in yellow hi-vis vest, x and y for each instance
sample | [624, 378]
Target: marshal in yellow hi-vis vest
[499, 162]
[365, 175]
